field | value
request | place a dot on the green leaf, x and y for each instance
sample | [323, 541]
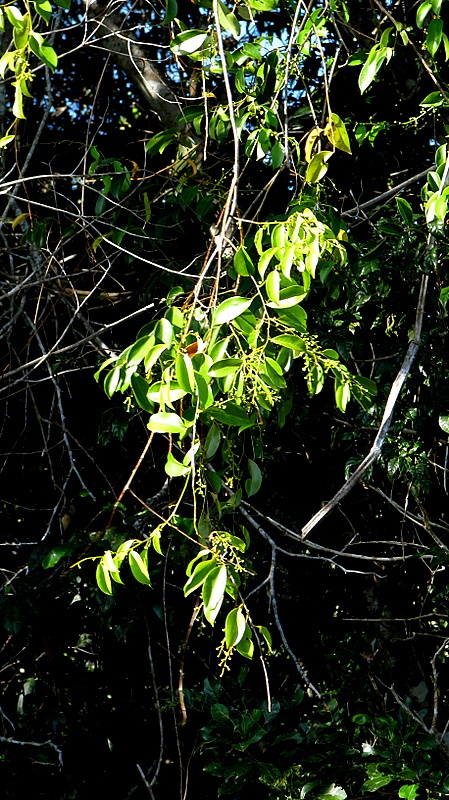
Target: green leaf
[373, 784]
[422, 13]
[273, 286]
[342, 395]
[15, 17]
[443, 422]
[164, 331]
[212, 442]
[54, 556]
[140, 349]
[230, 309]
[253, 484]
[199, 575]
[226, 367]
[103, 577]
[367, 384]
[434, 36]
[164, 422]
[184, 373]
[266, 634]
[172, 392]
[174, 468]
[139, 566]
[228, 20]
[65, 4]
[242, 262]
[17, 108]
[140, 390]
[405, 210]
[333, 792]
[6, 140]
[291, 341]
[188, 42]
[171, 11]
[371, 67]
[277, 155]
[246, 645]
[337, 134]
[112, 381]
[43, 8]
[48, 56]
[432, 100]
[230, 414]
[235, 626]
[213, 592]
[318, 166]
[444, 296]
[409, 791]
[153, 355]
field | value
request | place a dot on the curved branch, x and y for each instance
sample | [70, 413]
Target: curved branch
[386, 419]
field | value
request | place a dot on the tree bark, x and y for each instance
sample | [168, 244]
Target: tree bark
[132, 58]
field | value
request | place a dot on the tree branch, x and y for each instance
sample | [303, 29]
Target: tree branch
[386, 419]
[132, 58]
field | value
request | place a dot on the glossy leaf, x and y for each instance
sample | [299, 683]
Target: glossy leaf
[103, 578]
[226, 367]
[371, 67]
[212, 442]
[291, 341]
[199, 575]
[246, 645]
[213, 592]
[188, 42]
[230, 309]
[165, 422]
[174, 469]
[434, 36]
[184, 373]
[318, 166]
[139, 566]
[253, 484]
[235, 626]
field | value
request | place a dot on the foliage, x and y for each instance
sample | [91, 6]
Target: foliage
[224, 291]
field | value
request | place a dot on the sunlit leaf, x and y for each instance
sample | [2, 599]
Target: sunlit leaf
[231, 308]
[234, 627]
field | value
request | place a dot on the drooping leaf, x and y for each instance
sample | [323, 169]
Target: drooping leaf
[139, 566]
[434, 36]
[253, 484]
[139, 387]
[234, 627]
[318, 166]
[213, 592]
[103, 577]
[337, 134]
[171, 11]
[228, 20]
[371, 67]
[184, 373]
